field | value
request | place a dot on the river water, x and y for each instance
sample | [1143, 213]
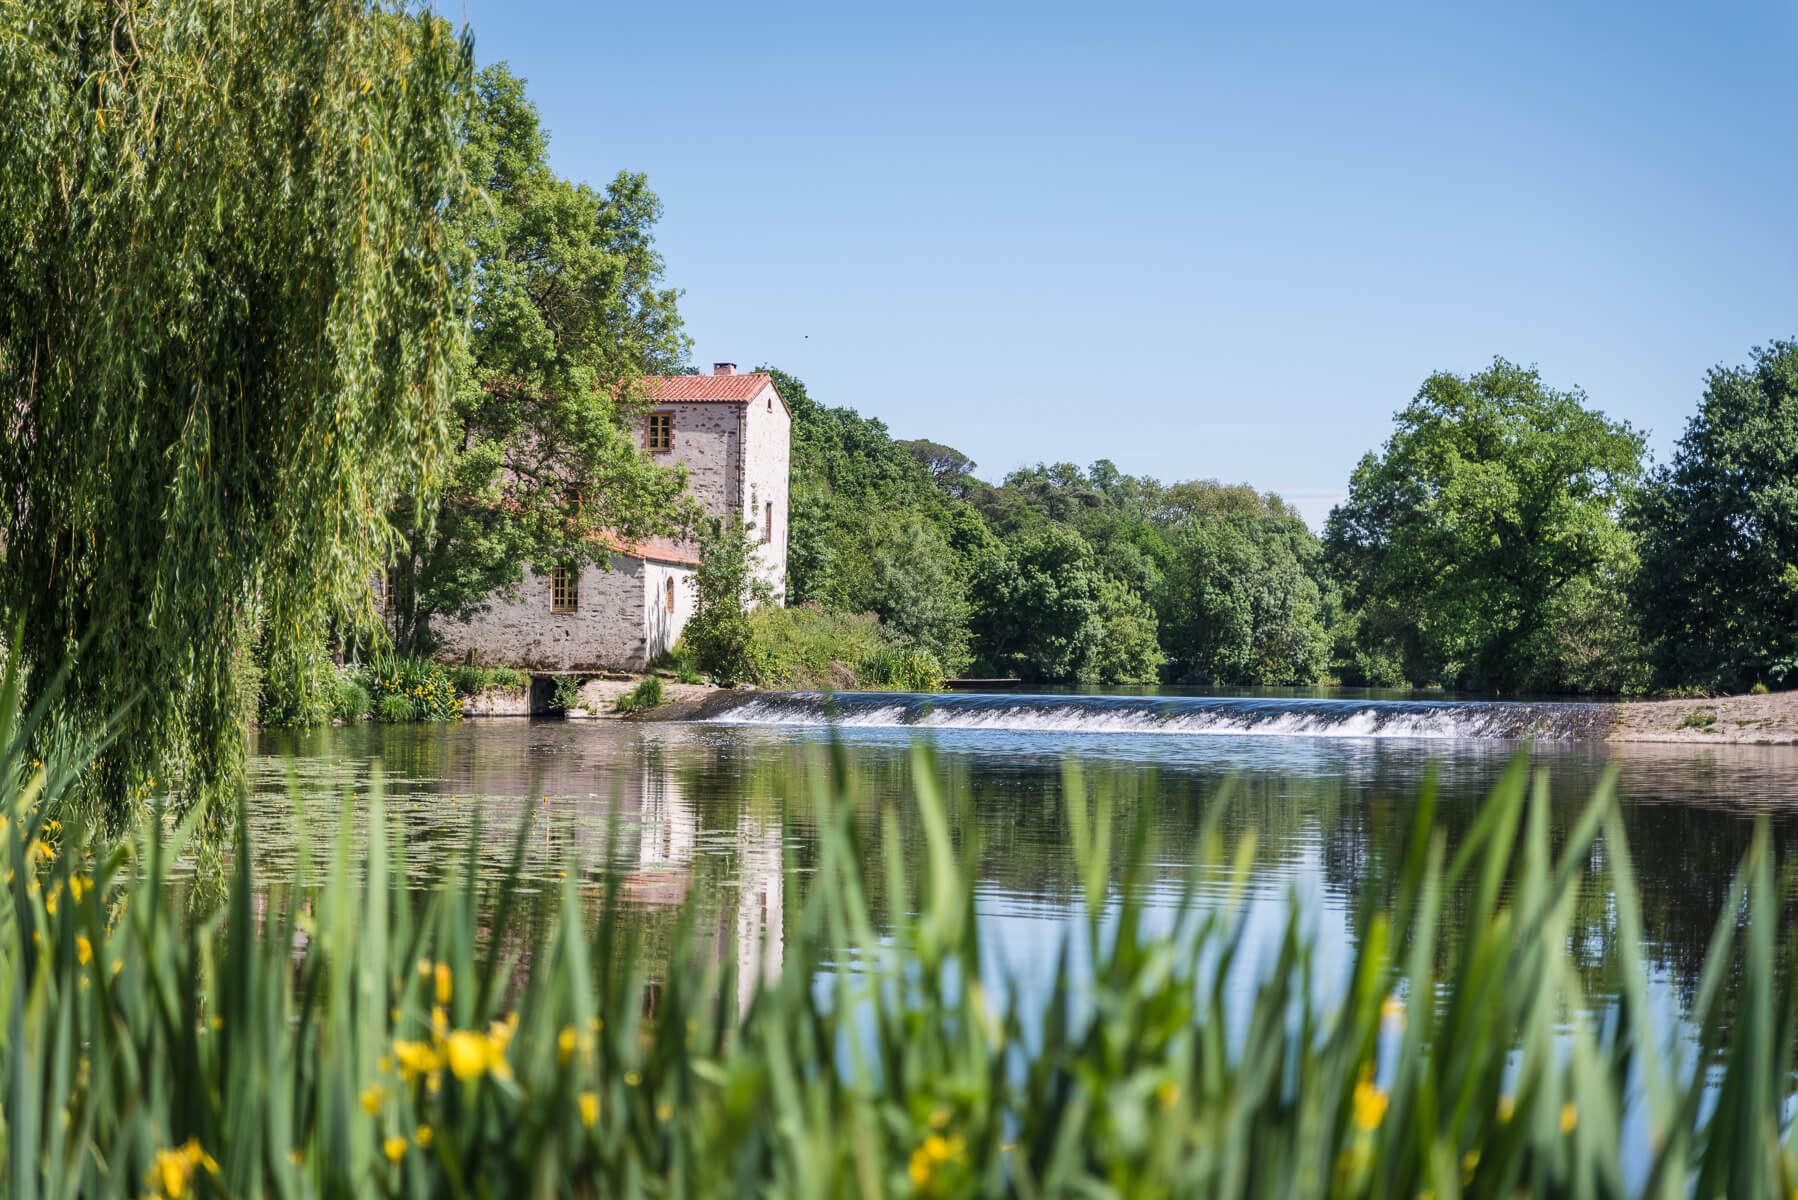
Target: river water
[704, 813]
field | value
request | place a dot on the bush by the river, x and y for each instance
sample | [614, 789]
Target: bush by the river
[410, 689]
[473, 681]
[330, 1031]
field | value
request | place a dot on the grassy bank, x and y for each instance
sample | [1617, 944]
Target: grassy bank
[336, 1031]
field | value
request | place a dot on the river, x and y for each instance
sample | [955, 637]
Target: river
[703, 813]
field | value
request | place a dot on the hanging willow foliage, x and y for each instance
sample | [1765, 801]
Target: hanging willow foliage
[230, 298]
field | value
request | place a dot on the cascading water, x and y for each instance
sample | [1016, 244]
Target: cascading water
[1192, 715]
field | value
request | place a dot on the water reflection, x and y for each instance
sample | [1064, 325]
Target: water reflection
[704, 815]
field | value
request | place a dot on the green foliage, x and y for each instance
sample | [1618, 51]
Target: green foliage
[1128, 651]
[297, 681]
[407, 688]
[342, 1034]
[546, 467]
[647, 694]
[473, 681]
[679, 660]
[727, 587]
[1481, 548]
[1038, 609]
[901, 568]
[565, 696]
[1718, 584]
[1242, 603]
[811, 648]
[230, 298]
[350, 701]
[900, 671]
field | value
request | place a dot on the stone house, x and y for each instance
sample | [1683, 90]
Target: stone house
[734, 432]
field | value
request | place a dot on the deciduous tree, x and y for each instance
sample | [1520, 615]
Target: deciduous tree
[1718, 586]
[230, 299]
[569, 316]
[1492, 505]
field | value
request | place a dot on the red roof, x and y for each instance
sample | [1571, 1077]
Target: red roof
[647, 551]
[707, 389]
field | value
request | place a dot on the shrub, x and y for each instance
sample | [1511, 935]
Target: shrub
[901, 670]
[726, 590]
[566, 694]
[646, 694]
[680, 661]
[473, 681]
[411, 689]
[350, 702]
[799, 646]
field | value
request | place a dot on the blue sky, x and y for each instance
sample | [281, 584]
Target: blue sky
[1200, 241]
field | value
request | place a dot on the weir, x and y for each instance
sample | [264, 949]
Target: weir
[1180, 715]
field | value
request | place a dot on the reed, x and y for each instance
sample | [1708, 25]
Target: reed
[339, 1032]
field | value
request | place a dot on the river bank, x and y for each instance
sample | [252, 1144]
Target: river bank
[1764, 720]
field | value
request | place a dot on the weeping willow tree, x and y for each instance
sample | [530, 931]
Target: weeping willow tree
[231, 300]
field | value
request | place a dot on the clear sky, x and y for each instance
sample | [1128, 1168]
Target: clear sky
[1200, 241]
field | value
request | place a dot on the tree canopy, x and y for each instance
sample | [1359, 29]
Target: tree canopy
[568, 316]
[1474, 546]
[230, 297]
[1718, 583]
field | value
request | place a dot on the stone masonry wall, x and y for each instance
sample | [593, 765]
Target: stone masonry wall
[606, 631]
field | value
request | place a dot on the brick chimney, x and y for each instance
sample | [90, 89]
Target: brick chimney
[724, 368]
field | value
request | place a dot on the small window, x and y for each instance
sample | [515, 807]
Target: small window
[658, 435]
[564, 590]
[669, 601]
[768, 523]
[771, 404]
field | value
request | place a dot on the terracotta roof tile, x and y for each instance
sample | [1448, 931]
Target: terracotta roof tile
[647, 550]
[703, 389]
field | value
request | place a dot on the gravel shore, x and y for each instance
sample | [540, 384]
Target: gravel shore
[1769, 720]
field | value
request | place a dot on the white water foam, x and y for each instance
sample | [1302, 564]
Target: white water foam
[1151, 715]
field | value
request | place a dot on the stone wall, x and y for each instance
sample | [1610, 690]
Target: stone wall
[605, 632]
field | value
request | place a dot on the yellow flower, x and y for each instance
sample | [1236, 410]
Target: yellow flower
[565, 1045]
[939, 1118]
[1392, 1012]
[937, 1148]
[664, 1111]
[1370, 1106]
[467, 1054]
[589, 1108]
[415, 1059]
[1168, 1093]
[84, 949]
[423, 1137]
[1506, 1106]
[394, 1148]
[918, 1171]
[424, 968]
[1569, 1117]
[76, 887]
[174, 1169]
[632, 1079]
[371, 1099]
[443, 983]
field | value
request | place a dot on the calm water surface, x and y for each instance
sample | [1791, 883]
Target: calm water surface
[702, 814]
